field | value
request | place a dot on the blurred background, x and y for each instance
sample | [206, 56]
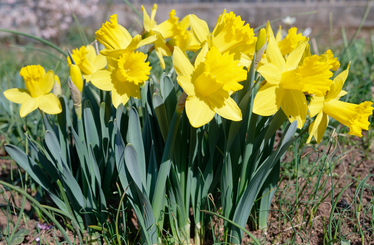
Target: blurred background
[53, 19]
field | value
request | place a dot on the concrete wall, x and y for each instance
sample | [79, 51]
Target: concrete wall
[347, 14]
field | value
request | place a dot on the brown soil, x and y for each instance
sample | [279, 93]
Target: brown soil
[310, 216]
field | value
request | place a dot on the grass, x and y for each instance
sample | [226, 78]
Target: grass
[325, 193]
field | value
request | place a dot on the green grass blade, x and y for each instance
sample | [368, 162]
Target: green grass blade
[233, 223]
[38, 205]
[36, 38]
[133, 9]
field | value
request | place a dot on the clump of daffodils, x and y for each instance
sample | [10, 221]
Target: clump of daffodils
[294, 80]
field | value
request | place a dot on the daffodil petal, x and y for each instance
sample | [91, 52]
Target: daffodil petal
[271, 73]
[146, 20]
[147, 40]
[112, 53]
[224, 105]
[134, 44]
[337, 84]
[318, 127]
[48, 81]
[245, 60]
[201, 56]
[341, 94]
[274, 55]
[17, 95]
[102, 80]
[294, 57]
[198, 111]
[87, 77]
[100, 62]
[268, 100]
[122, 92]
[50, 104]
[181, 63]
[186, 84]
[315, 105]
[294, 106]
[199, 28]
[29, 105]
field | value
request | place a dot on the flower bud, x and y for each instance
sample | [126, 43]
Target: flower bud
[261, 40]
[76, 96]
[76, 77]
[57, 87]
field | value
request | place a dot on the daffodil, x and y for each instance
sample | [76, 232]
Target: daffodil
[37, 93]
[184, 39]
[208, 84]
[351, 115]
[163, 31]
[88, 61]
[286, 82]
[291, 41]
[229, 35]
[116, 39]
[123, 77]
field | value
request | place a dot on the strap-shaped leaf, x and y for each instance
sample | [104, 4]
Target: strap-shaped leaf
[168, 95]
[92, 132]
[134, 136]
[30, 166]
[64, 122]
[248, 198]
[161, 115]
[132, 164]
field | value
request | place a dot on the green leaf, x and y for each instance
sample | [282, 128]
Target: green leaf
[53, 146]
[19, 237]
[132, 164]
[157, 201]
[267, 194]
[134, 136]
[161, 115]
[248, 198]
[168, 95]
[30, 166]
[92, 133]
[36, 38]
[63, 121]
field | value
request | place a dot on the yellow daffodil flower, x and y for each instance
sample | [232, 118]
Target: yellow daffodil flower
[208, 84]
[88, 61]
[290, 42]
[351, 115]
[230, 34]
[286, 83]
[37, 93]
[185, 40]
[116, 39]
[163, 31]
[123, 77]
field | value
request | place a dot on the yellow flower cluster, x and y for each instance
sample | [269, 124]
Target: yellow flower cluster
[291, 74]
